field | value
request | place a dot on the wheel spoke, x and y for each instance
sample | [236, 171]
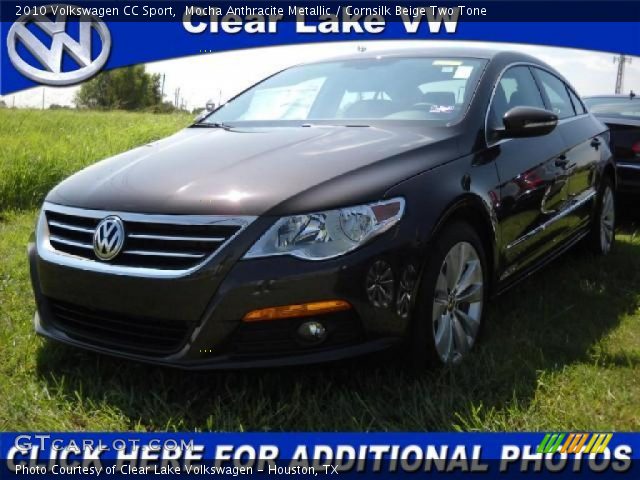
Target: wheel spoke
[469, 274]
[452, 267]
[456, 265]
[460, 336]
[440, 298]
[469, 323]
[438, 310]
[471, 294]
[444, 337]
[608, 232]
[462, 261]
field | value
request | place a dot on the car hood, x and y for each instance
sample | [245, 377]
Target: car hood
[252, 171]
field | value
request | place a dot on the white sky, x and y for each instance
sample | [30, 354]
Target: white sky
[208, 76]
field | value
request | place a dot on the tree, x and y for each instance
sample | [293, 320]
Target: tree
[129, 88]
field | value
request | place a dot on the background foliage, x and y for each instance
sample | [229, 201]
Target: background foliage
[129, 88]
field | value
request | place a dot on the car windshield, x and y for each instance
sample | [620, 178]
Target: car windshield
[625, 108]
[359, 91]
[614, 106]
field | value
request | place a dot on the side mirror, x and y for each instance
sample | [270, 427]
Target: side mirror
[521, 122]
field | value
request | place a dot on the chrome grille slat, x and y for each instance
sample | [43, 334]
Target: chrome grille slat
[73, 228]
[70, 243]
[174, 238]
[163, 254]
[155, 245]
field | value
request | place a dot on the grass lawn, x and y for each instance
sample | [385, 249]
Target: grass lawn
[560, 352]
[38, 148]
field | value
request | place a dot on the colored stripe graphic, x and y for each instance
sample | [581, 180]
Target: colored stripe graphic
[575, 443]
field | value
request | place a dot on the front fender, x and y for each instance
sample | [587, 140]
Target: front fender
[458, 188]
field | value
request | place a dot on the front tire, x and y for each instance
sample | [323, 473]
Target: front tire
[452, 298]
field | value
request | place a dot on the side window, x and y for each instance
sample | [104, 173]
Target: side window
[577, 103]
[516, 88]
[557, 93]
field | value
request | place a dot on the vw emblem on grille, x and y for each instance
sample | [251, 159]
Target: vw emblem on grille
[108, 238]
[50, 58]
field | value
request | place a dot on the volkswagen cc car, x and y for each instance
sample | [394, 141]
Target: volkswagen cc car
[334, 209]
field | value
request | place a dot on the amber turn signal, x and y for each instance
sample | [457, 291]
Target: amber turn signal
[295, 311]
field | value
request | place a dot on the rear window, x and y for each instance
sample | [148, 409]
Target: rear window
[577, 104]
[627, 109]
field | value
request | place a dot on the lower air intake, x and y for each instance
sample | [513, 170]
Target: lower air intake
[141, 335]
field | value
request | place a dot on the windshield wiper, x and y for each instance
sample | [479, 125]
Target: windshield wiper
[348, 125]
[212, 125]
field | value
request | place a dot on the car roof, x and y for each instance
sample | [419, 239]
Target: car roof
[431, 51]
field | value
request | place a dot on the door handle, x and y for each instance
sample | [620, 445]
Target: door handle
[595, 143]
[562, 161]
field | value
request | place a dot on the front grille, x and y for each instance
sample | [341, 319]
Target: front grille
[142, 335]
[159, 242]
[280, 336]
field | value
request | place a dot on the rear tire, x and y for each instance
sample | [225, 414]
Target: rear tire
[451, 298]
[603, 227]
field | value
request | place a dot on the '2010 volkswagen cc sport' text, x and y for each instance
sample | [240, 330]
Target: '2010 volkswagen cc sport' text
[331, 210]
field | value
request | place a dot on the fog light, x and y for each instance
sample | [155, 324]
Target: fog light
[312, 332]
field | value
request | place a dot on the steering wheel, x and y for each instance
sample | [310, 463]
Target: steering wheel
[423, 106]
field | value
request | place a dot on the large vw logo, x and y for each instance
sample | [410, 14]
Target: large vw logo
[50, 58]
[108, 238]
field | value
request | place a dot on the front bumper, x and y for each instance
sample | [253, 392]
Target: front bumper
[199, 317]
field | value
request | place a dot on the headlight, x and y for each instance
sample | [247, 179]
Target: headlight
[323, 235]
[41, 226]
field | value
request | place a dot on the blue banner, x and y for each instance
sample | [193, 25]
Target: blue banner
[306, 455]
[129, 33]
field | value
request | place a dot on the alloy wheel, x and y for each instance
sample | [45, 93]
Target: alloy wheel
[458, 303]
[607, 220]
